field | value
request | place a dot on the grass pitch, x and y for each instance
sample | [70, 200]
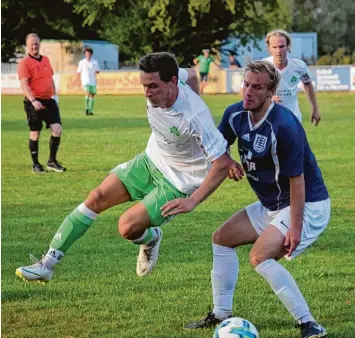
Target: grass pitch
[95, 292]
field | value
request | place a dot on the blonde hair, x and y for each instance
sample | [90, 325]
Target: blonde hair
[32, 35]
[279, 32]
[260, 66]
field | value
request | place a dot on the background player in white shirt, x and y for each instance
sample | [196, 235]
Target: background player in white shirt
[185, 158]
[292, 71]
[87, 70]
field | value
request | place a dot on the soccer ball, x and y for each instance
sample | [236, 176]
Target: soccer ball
[236, 327]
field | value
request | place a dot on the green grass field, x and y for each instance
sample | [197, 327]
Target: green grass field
[95, 292]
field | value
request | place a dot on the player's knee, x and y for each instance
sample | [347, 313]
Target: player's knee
[256, 258]
[125, 227]
[219, 237]
[56, 130]
[95, 200]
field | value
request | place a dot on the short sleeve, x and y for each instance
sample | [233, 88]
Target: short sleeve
[225, 127]
[290, 143]
[305, 77]
[23, 71]
[80, 67]
[183, 75]
[208, 136]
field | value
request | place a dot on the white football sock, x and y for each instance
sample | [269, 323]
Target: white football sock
[285, 287]
[224, 278]
[52, 258]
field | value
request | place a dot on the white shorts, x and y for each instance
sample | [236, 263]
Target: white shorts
[316, 217]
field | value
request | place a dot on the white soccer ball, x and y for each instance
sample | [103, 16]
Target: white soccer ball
[236, 327]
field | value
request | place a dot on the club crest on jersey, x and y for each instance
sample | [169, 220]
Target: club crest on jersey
[259, 144]
[174, 131]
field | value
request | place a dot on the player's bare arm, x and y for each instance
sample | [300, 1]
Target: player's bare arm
[235, 170]
[311, 95]
[213, 180]
[27, 91]
[297, 201]
[193, 81]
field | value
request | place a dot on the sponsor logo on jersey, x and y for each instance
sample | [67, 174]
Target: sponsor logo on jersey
[259, 144]
[246, 137]
[174, 131]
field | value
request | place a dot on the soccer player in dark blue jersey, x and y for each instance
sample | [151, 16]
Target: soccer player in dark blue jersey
[293, 207]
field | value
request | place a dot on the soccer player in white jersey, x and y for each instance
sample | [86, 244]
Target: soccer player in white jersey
[185, 158]
[87, 70]
[293, 207]
[292, 71]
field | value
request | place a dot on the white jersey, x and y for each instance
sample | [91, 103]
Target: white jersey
[184, 139]
[295, 71]
[88, 70]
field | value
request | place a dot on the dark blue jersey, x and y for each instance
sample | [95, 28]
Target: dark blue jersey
[271, 152]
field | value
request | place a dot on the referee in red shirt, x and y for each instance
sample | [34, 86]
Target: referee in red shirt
[35, 74]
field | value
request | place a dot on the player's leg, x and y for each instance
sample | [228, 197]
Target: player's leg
[236, 231]
[148, 233]
[111, 192]
[87, 95]
[203, 81]
[53, 121]
[92, 99]
[92, 92]
[35, 124]
[270, 246]
[37, 168]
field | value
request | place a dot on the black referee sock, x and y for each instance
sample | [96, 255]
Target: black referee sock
[33, 146]
[53, 148]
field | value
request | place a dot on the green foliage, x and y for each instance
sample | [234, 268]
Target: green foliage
[182, 27]
[50, 20]
[339, 57]
[332, 20]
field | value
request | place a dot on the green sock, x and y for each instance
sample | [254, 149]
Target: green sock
[86, 102]
[146, 238]
[91, 104]
[74, 226]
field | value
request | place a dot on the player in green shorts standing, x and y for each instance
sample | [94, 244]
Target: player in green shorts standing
[184, 162]
[204, 60]
[87, 70]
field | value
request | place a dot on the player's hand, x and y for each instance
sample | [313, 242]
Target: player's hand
[236, 171]
[276, 99]
[37, 105]
[56, 99]
[315, 118]
[293, 238]
[178, 206]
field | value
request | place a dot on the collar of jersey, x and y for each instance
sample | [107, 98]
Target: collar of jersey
[262, 120]
[37, 59]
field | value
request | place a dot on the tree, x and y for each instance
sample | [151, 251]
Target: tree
[137, 27]
[180, 26]
[50, 20]
[334, 21]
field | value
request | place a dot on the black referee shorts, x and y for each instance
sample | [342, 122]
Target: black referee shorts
[49, 114]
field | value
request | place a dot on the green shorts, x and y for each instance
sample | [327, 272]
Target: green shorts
[146, 183]
[90, 89]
